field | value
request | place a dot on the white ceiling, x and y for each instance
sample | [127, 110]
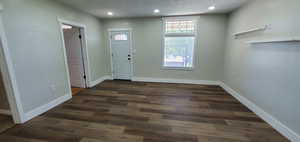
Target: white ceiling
[144, 8]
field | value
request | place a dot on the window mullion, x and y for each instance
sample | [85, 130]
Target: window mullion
[180, 35]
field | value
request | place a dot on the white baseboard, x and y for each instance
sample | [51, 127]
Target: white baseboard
[275, 123]
[165, 80]
[44, 108]
[96, 82]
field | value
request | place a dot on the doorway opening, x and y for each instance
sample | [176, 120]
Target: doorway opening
[76, 56]
[121, 54]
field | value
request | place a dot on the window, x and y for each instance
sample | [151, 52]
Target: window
[120, 37]
[180, 26]
[179, 42]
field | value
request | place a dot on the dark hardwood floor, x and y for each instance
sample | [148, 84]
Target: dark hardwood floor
[120, 111]
[6, 122]
[75, 91]
[4, 105]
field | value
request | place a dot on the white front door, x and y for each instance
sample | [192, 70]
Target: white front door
[121, 54]
[75, 57]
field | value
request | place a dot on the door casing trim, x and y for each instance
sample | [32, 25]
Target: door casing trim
[130, 48]
[9, 78]
[85, 54]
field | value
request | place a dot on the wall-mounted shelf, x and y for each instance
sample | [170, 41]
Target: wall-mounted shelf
[251, 30]
[295, 39]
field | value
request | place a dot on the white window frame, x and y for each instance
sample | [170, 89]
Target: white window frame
[132, 50]
[164, 35]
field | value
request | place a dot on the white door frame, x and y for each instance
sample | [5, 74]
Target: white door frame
[9, 78]
[83, 30]
[130, 48]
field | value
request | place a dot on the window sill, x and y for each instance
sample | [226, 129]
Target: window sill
[178, 68]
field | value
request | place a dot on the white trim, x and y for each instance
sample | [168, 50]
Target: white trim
[9, 78]
[181, 18]
[275, 123]
[164, 35]
[44, 108]
[110, 53]
[119, 29]
[181, 35]
[262, 28]
[85, 53]
[168, 80]
[100, 80]
[131, 49]
[275, 40]
[178, 68]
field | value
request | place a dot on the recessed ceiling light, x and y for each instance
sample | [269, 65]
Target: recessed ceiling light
[110, 13]
[156, 11]
[212, 7]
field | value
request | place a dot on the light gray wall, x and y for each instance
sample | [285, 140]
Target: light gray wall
[147, 40]
[267, 74]
[35, 44]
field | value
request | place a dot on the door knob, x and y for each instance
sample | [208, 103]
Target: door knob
[129, 59]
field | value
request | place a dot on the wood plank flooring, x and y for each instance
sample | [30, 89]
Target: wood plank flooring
[4, 105]
[6, 122]
[121, 111]
[75, 91]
